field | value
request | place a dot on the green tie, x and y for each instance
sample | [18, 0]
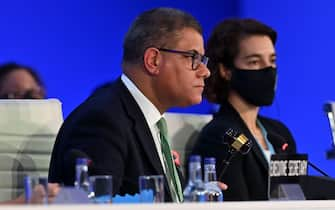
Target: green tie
[171, 170]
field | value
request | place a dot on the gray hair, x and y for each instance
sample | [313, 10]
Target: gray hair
[155, 28]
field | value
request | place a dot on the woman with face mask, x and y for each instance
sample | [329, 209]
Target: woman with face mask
[243, 79]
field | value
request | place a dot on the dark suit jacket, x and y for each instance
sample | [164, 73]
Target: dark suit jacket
[111, 129]
[247, 176]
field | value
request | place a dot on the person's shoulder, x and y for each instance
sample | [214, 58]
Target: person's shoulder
[214, 130]
[102, 104]
[108, 96]
[215, 125]
[221, 123]
[210, 140]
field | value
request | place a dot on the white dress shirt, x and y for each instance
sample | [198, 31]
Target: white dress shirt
[150, 112]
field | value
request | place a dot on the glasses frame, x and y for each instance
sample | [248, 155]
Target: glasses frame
[27, 94]
[197, 58]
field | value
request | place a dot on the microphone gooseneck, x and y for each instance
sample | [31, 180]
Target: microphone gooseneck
[317, 169]
[284, 146]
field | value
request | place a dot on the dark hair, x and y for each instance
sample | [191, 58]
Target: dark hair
[155, 28]
[7, 68]
[223, 47]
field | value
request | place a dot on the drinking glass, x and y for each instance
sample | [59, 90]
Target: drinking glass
[101, 188]
[34, 194]
[151, 189]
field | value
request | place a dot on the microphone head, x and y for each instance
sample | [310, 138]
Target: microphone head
[278, 140]
[73, 155]
[327, 107]
[237, 141]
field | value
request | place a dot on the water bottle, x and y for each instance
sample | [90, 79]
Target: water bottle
[213, 192]
[195, 189]
[82, 181]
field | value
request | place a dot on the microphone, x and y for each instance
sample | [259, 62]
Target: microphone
[70, 159]
[279, 140]
[72, 155]
[237, 142]
[328, 109]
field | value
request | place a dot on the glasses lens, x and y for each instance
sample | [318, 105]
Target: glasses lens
[33, 94]
[204, 60]
[27, 94]
[197, 59]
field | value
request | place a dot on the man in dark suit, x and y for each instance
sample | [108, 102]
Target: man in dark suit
[163, 66]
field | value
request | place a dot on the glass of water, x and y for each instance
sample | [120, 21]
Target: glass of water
[33, 192]
[101, 188]
[151, 189]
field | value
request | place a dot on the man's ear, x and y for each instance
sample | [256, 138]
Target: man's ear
[225, 73]
[151, 60]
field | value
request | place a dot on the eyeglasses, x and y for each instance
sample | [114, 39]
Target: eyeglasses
[28, 94]
[197, 59]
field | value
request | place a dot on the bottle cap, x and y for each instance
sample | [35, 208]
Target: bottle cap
[81, 161]
[195, 158]
[209, 160]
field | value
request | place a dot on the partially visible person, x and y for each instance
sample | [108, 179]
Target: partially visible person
[37, 196]
[243, 79]
[20, 82]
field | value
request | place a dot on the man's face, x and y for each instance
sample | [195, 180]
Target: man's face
[256, 52]
[179, 84]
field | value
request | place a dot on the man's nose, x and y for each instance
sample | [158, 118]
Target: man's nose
[203, 71]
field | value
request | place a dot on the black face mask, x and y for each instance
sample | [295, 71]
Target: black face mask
[257, 87]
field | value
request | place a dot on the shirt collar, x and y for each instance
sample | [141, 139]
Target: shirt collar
[150, 112]
[265, 135]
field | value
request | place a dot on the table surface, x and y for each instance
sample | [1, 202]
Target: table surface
[257, 205]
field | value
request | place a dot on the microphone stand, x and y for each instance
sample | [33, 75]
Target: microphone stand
[225, 163]
[328, 109]
[236, 142]
[331, 154]
[318, 169]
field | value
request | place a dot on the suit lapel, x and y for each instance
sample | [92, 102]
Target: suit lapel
[143, 133]
[140, 127]
[145, 137]
[256, 151]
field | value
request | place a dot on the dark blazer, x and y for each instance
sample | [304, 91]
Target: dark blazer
[111, 129]
[246, 176]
